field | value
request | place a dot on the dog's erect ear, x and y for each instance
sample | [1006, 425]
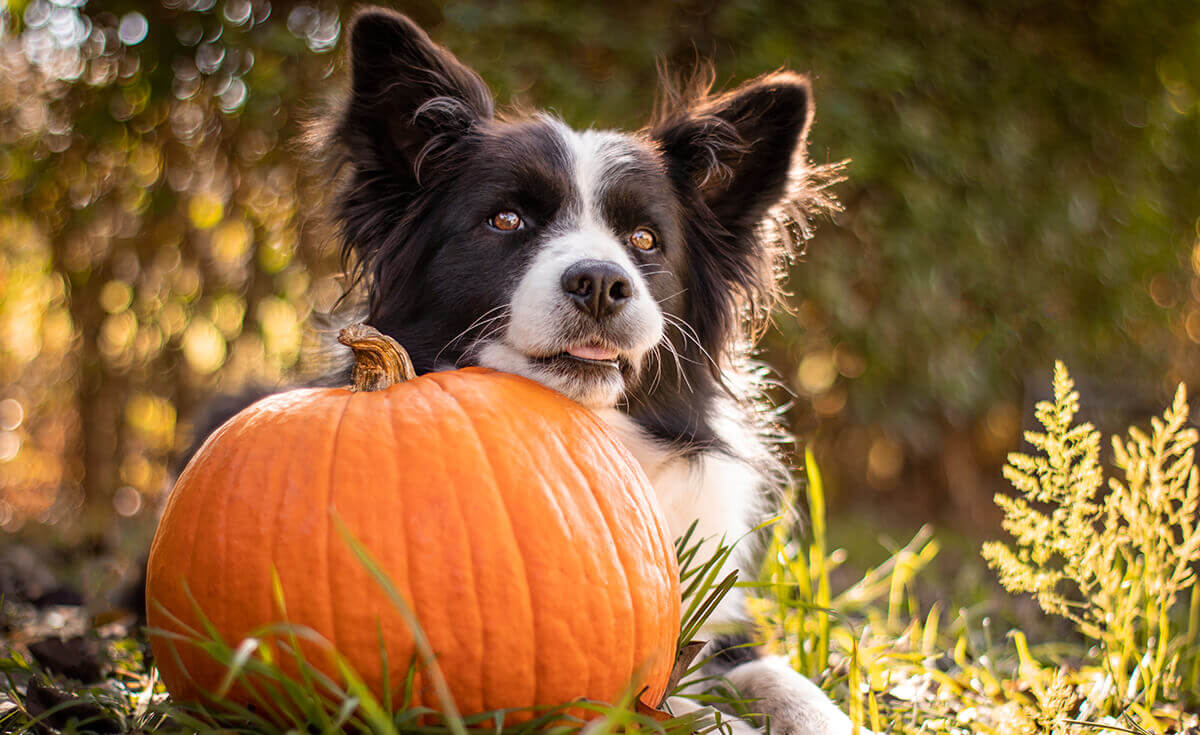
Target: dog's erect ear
[741, 153]
[408, 94]
[739, 148]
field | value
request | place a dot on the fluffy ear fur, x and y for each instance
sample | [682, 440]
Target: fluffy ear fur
[734, 156]
[408, 94]
[411, 106]
[739, 147]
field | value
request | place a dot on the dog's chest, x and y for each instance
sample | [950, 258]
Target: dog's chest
[719, 493]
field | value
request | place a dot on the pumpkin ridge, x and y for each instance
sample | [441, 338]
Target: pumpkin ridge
[289, 419]
[602, 514]
[502, 501]
[173, 501]
[537, 613]
[217, 514]
[329, 529]
[188, 592]
[403, 586]
[615, 445]
[418, 693]
[636, 667]
[472, 584]
[659, 545]
[631, 665]
[421, 697]
[539, 631]
[628, 587]
[224, 537]
[277, 517]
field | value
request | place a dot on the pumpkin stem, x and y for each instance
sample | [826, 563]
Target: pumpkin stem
[379, 361]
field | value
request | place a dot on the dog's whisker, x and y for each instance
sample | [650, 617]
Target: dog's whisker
[496, 325]
[469, 350]
[658, 372]
[483, 319]
[480, 322]
[679, 366]
[688, 332]
[655, 353]
[671, 296]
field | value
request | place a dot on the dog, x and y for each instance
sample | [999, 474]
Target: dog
[629, 271]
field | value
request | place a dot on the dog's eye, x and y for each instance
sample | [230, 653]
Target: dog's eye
[643, 239]
[506, 221]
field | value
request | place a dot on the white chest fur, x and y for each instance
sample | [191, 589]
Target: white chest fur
[721, 494]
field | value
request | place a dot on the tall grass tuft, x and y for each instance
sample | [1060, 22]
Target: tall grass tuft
[1117, 559]
[1115, 555]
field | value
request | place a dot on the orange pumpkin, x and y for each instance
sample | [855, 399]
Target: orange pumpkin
[521, 533]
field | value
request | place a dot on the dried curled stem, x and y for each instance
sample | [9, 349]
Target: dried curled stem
[379, 361]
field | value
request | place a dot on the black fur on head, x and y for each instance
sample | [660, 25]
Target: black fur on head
[738, 159]
[411, 105]
[428, 160]
[737, 164]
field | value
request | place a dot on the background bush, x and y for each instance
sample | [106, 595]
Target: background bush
[1024, 185]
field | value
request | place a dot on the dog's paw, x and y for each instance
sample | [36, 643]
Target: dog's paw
[794, 704]
[722, 723]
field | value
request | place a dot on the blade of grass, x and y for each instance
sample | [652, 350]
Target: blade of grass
[441, 688]
[818, 551]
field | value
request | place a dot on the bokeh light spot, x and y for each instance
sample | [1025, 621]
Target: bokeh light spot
[276, 254]
[817, 372]
[127, 501]
[238, 12]
[231, 241]
[12, 413]
[280, 327]
[173, 318]
[10, 446]
[116, 335]
[830, 404]
[1192, 326]
[885, 459]
[234, 96]
[209, 58]
[206, 210]
[153, 418]
[203, 346]
[227, 312]
[136, 471]
[57, 331]
[115, 296]
[133, 28]
[849, 363]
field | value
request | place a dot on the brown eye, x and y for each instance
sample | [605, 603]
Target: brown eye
[506, 221]
[643, 239]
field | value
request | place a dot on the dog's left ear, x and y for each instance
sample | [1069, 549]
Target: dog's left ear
[739, 148]
[736, 153]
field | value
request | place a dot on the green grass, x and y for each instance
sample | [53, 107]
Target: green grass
[310, 700]
[297, 696]
[905, 646]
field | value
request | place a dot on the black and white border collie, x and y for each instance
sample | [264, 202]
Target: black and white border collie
[625, 270]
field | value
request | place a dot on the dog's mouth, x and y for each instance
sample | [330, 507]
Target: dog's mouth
[592, 371]
[585, 355]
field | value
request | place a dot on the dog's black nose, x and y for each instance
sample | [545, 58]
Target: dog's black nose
[597, 287]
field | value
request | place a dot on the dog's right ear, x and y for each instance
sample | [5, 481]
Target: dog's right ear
[408, 96]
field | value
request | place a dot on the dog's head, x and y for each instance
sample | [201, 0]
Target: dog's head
[613, 267]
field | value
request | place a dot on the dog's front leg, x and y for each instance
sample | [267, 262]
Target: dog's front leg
[793, 704]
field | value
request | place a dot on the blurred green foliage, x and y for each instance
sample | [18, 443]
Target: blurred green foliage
[151, 232]
[1024, 184]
